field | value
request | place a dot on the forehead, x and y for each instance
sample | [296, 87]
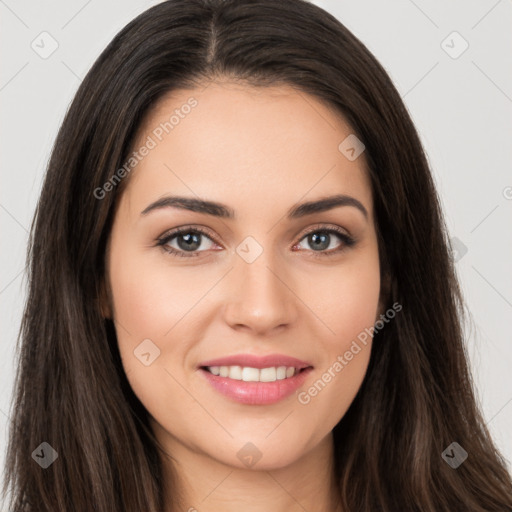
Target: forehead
[245, 145]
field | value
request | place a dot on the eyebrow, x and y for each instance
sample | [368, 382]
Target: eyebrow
[225, 212]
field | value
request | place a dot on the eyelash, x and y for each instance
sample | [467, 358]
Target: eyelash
[347, 240]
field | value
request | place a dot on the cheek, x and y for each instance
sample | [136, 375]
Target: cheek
[347, 301]
[345, 298]
[149, 298]
[147, 305]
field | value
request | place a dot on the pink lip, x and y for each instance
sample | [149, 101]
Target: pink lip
[252, 361]
[256, 393]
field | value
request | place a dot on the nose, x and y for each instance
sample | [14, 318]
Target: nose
[260, 297]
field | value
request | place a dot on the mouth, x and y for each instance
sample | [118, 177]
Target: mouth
[253, 380]
[249, 374]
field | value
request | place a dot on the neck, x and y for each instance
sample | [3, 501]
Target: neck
[203, 484]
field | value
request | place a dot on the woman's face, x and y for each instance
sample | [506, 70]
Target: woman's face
[265, 285]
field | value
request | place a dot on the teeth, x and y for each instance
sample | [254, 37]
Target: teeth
[235, 372]
[268, 374]
[281, 373]
[248, 374]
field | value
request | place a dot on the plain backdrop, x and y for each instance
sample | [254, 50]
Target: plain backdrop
[450, 61]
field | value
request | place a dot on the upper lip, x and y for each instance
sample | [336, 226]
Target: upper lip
[253, 361]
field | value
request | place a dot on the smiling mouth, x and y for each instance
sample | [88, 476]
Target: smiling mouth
[249, 374]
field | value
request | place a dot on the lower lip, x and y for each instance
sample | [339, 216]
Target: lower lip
[256, 393]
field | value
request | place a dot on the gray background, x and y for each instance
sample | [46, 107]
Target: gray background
[461, 106]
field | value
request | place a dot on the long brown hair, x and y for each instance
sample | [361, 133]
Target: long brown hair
[71, 391]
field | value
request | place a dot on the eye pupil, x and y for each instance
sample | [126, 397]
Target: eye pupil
[192, 241]
[319, 241]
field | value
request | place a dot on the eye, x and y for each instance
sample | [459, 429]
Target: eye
[321, 239]
[188, 239]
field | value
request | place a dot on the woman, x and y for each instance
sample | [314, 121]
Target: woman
[220, 159]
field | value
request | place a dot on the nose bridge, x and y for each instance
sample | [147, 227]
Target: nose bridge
[261, 299]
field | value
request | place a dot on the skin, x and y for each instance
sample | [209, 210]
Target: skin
[260, 151]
